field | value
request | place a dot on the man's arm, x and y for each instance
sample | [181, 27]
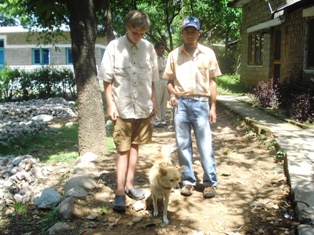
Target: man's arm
[213, 95]
[112, 110]
[154, 111]
[172, 93]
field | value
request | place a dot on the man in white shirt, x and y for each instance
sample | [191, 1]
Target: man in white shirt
[161, 91]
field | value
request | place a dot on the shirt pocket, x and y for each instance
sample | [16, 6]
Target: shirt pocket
[122, 67]
[145, 70]
[203, 73]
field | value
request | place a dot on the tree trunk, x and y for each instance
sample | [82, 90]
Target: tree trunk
[91, 120]
[107, 22]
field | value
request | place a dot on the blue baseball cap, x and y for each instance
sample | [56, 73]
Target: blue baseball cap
[191, 21]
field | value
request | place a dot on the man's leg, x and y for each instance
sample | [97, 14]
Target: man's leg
[203, 137]
[158, 96]
[184, 142]
[122, 165]
[132, 160]
[163, 102]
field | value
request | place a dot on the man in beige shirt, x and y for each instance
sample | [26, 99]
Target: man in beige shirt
[191, 71]
[128, 69]
[161, 91]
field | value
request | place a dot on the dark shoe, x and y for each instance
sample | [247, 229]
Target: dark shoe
[187, 190]
[135, 194]
[159, 125]
[119, 203]
[164, 123]
[209, 192]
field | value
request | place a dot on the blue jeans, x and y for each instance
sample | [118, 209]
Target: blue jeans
[194, 113]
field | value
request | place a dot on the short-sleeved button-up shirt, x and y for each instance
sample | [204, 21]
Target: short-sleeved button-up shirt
[131, 69]
[162, 61]
[191, 74]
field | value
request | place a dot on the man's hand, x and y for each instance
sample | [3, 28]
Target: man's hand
[212, 116]
[112, 114]
[173, 101]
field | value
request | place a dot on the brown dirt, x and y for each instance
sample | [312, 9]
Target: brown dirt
[252, 196]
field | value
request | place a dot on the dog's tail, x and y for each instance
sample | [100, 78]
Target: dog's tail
[167, 150]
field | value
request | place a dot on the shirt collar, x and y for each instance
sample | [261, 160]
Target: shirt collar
[131, 44]
[198, 49]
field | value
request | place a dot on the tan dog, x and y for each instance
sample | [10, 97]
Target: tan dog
[163, 176]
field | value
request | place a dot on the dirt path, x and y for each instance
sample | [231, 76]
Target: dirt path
[251, 196]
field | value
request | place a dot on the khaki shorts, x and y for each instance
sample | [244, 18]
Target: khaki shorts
[132, 131]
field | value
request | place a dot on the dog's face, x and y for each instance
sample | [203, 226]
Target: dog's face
[171, 176]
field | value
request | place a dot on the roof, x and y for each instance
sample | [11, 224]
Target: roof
[12, 29]
[294, 3]
[20, 29]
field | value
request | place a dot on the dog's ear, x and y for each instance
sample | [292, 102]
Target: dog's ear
[163, 171]
[180, 169]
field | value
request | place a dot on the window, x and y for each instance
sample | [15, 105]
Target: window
[102, 52]
[310, 45]
[68, 55]
[1, 53]
[41, 56]
[256, 41]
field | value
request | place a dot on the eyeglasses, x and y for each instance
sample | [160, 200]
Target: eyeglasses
[139, 34]
[192, 33]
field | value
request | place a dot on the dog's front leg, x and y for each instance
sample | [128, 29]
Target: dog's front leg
[155, 205]
[164, 217]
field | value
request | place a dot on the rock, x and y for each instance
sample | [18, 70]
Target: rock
[48, 199]
[138, 205]
[19, 175]
[92, 224]
[43, 118]
[16, 161]
[87, 157]
[69, 124]
[81, 181]
[66, 207]
[136, 219]
[20, 118]
[59, 228]
[87, 169]
[91, 217]
[76, 191]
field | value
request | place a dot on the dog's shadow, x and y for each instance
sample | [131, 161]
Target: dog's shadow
[149, 203]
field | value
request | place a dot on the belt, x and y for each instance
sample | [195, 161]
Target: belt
[195, 97]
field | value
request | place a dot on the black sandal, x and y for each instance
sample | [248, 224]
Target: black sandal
[119, 203]
[135, 194]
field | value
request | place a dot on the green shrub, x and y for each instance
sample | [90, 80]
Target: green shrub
[9, 83]
[40, 83]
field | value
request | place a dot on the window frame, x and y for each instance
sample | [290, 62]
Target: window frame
[43, 60]
[2, 53]
[68, 55]
[256, 51]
